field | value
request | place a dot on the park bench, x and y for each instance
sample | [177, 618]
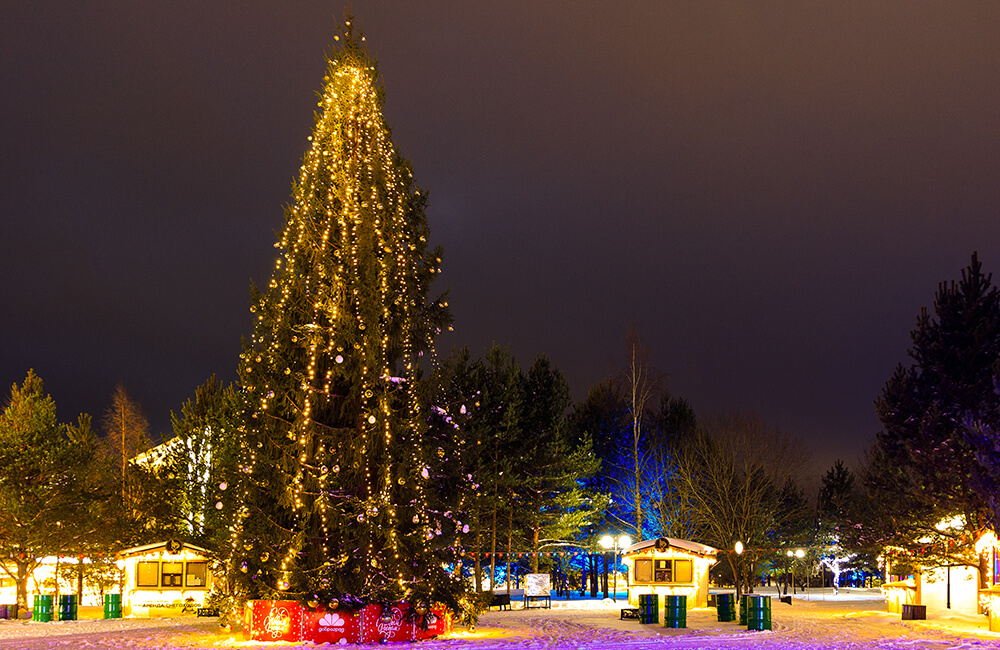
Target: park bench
[630, 612]
[914, 612]
[500, 600]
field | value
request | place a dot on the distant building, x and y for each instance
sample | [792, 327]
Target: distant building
[668, 566]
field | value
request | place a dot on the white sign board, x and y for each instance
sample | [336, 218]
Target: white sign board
[536, 584]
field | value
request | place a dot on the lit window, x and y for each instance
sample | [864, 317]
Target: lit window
[196, 574]
[683, 571]
[643, 570]
[147, 574]
[171, 574]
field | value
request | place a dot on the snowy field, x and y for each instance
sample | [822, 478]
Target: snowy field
[854, 619]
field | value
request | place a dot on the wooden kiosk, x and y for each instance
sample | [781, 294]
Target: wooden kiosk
[669, 567]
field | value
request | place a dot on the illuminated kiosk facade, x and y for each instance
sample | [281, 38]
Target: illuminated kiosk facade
[164, 575]
[669, 567]
[943, 588]
[940, 588]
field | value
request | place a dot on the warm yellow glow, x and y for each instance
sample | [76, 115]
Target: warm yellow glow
[987, 542]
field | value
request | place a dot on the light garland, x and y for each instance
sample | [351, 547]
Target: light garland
[344, 306]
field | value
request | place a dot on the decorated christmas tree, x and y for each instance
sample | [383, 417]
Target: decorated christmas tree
[339, 504]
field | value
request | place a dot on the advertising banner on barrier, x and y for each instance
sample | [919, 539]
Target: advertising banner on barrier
[272, 620]
[338, 627]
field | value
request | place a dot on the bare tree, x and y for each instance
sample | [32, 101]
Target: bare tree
[126, 434]
[731, 476]
[640, 382]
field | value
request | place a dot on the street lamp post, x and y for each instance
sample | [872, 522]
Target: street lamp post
[120, 563]
[792, 566]
[738, 547]
[799, 554]
[608, 542]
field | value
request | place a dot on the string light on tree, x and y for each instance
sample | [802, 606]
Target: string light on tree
[336, 481]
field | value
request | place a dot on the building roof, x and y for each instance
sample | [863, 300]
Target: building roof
[662, 543]
[138, 550]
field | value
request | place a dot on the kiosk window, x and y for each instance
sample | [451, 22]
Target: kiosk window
[171, 574]
[664, 571]
[683, 571]
[147, 574]
[643, 570]
[196, 574]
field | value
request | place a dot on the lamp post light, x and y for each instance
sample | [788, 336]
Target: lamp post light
[738, 547]
[792, 556]
[608, 542]
[788, 567]
[799, 554]
[120, 563]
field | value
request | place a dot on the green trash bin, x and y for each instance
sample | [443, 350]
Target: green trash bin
[675, 611]
[42, 611]
[725, 606]
[68, 607]
[759, 613]
[112, 605]
[743, 609]
[649, 608]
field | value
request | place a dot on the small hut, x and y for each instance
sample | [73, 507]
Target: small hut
[163, 576]
[669, 567]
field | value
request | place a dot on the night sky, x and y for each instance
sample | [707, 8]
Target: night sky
[769, 191]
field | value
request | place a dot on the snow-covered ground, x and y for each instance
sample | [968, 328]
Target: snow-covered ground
[851, 620]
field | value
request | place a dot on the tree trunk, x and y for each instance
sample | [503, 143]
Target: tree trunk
[510, 534]
[22, 583]
[479, 559]
[594, 586]
[535, 534]
[493, 546]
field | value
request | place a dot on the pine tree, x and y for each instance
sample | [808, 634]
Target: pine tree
[924, 461]
[47, 496]
[202, 454]
[338, 502]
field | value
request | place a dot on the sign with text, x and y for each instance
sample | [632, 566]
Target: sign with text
[272, 620]
[338, 627]
[536, 584]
